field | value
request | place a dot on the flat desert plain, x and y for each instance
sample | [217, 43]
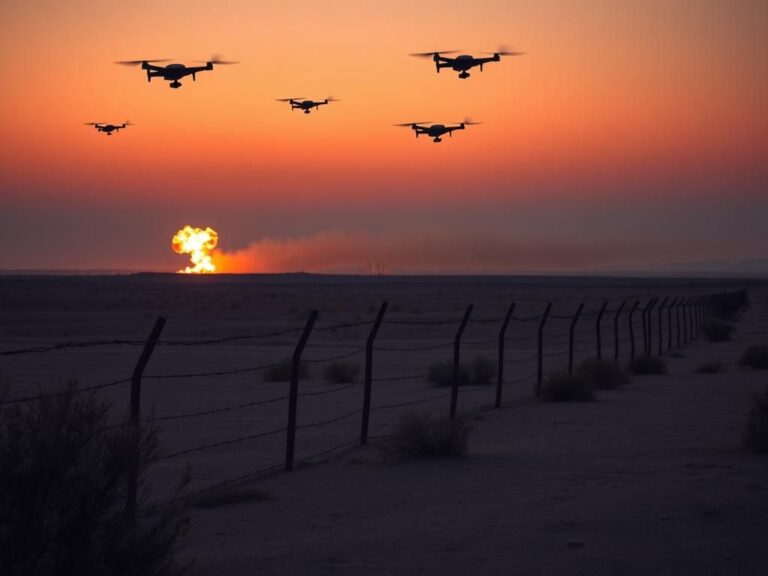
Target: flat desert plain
[648, 479]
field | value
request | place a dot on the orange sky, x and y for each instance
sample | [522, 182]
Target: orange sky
[615, 101]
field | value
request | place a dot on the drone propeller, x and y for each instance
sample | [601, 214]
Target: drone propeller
[217, 60]
[332, 99]
[137, 62]
[409, 124]
[504, 51]
[289, 99]
[432, 54]
[92, 123]
[468, 122]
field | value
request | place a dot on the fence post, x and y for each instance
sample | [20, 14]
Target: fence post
[661, 325]
[645, 326]
[632, 331]
[369, 373]
[686, 332]
[502, 336]
[691, 312]
[597, 330]
[294, 392]
[457, 361]
[616, 331]
[135, 431]
[669, 323]
[540, 370]
[678, 305]
[649, 344]
[570, 338]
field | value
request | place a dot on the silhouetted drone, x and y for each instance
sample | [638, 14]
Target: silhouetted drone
[108, 128]
[463, 62]
[174, 72]
[436, 130]
[306, 105]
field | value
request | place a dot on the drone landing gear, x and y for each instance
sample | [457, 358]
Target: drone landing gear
[464, 75]
[436, 140]
[175, 84]
[307, 111]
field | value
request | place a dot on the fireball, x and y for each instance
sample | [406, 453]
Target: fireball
[197, 242]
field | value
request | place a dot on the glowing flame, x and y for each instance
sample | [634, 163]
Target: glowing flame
[197, 243]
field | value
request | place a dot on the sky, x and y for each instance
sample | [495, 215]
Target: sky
[630, 135]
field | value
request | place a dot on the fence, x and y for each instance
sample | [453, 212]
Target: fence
[527, 348]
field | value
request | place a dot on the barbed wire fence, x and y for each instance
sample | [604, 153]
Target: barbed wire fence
[527, 347]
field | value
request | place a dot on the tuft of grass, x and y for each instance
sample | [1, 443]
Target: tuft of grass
[644, 365]
[603, 374]
[418, 434]
[441, 373]
[563, 387]
[341, 372]
[712, 367]
[756, 429]
[756, 357]
[63, 472]
[281, 372]
[483, 370]
[229, 497]
[716, 330]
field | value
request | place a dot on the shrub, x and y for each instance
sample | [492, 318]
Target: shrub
[648, 365]
[281, 372]
[561, 386]
[712, 367]
[716, 330]
[756, 430]
[756, 357]
[483, 369]
[441, 373]
[603, 374]
[418, 434]
[341, 372]
[63, 470]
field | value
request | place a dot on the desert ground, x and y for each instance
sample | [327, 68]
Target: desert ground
[648, 479]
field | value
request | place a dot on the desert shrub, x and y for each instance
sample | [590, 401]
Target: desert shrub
[648, 365]
[483, 370]
[756, 357]
[756, 430]
[418, 434]
[561, 386]
[712, 367]
[281, 371]
[341, 372]
[716, 330]
[63, 470]
[441, 373]
[603, 374]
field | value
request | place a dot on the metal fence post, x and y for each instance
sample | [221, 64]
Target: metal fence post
[616, 331]
[570, 337]
[135, 430]
[632, 331]
[457, 361]
[369, 373]
[649, 314]
[678, 305]
[540, 370]
[502, 336]
[661, 325]
[294, 392]
[643, 315]
[597, 331]
[669, 323]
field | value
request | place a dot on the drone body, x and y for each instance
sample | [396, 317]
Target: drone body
[108, 128]
[172, 72]
[464, 62]
[436, 131]
[306, 105]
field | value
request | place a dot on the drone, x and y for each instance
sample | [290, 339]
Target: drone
[108, 128]
[435, 131]
[306, 105]
[173, 72]
[463, 62]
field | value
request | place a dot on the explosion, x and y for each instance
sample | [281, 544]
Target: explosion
[197, 243]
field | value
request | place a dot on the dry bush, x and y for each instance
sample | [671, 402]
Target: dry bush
[756, 430]
[644, 365]
[63, 471]
[712, 367]
[603, 374]
[756, 357]
[716, 330]
[483, 370]
[281, 372]
[561, 387]
[341, 372]
[418, 434]
[441, 373]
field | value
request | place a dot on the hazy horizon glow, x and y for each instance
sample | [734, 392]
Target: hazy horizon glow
[628, 134]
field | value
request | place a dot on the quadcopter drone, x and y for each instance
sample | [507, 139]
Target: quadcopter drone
[435, 131]
[306, 105]
[108, 128]
[463, 62]
[172, 72]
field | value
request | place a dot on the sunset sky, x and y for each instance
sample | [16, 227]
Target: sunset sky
[631, 135]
